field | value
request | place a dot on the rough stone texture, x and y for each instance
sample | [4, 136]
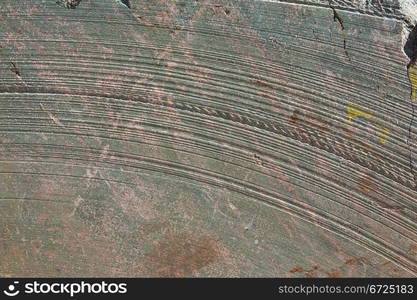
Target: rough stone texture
[206, 138]
[399, 9]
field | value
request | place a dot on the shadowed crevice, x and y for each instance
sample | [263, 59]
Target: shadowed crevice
[72, 4]
[126, 3]
[410, 49]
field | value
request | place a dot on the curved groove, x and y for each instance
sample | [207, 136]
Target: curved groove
[334, 145]
[302, 210]
[258, 112]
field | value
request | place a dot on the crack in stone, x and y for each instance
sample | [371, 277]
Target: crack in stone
[337, 18]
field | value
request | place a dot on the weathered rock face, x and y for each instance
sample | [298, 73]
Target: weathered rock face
[207, 138]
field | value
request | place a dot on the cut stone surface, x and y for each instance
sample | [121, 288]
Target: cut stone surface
[207, 138]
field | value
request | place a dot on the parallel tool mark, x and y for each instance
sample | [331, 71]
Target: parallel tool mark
[292, 206]
[332, 144]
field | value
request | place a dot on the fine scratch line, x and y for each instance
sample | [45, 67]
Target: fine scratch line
[51, 116]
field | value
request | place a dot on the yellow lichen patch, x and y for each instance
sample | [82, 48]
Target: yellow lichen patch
[383, 135]
[354, 112]
[412, 75]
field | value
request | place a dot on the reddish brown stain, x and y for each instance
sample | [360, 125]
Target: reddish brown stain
[367, 184]
[351, 261]
[182, 255]
[348, 132]
[368, 187]
[367, 147]
[263, 84]
[310, 121]
[319, 123]
[296, 269]
[266, 96]
[308, 273]
[314, 268]
[295, 117]
[333, 274]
